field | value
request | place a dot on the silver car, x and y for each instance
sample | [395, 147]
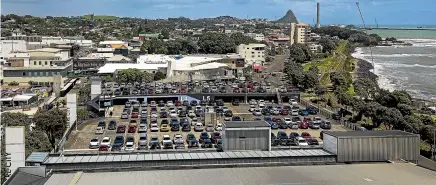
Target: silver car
[210, 128]
[124, 115]
[142, 127]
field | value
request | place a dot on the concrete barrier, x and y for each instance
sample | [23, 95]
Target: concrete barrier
[426, 163]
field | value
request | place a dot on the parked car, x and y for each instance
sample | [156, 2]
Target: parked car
[119, 141]
[154, 143]
[130, 144]
[102, 124]
[215, 137]
[312, 141]
[236, 118]
[186, 127]
[142, 142]
[178, 141]
[284, 112]
[121, 129]
[132, 128]
[106, 141]
[312, 110]
[164, 128]
[257, 112]
[303, 125]
[302, 141]
[99, 130]
[198, 127]
[305, 135]
[219, 127]
[94, 143]
[166, 142]
[210, 128]
[203, 136]
[326, 125]
[142, 127]
[235, 102]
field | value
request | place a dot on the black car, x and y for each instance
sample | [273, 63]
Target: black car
[312, 110]
[228, 113]
[163, 114]
[185, 103]
[175, 127]
[102, 123]
[205, 90]
[261, 90]
[223, 90]
[194, 103]
[220, 102]
[186, 127]
[236, 118]
[182, 113]
[312, 141]
[235, 102]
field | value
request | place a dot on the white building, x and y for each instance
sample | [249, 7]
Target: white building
[316, 48]
[9, 46]
[176, 68]
[256, 36]
[253, 53]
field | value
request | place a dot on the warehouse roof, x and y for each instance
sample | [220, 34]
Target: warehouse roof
[381, 133]
[356, 174]
[245, 124]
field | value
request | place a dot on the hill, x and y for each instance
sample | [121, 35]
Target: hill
[102, 17]
[288, 18]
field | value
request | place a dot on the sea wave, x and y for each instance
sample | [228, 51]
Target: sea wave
[399, 55]
[421, 42]
[393, 64]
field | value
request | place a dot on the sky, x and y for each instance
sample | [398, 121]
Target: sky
[387, 12]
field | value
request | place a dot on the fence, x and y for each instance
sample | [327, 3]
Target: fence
[426, 163]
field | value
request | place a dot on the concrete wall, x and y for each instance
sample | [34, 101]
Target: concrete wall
[247, 139]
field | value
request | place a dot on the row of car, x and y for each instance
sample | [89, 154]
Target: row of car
[294, 139]
[296, 122]
[205, 140]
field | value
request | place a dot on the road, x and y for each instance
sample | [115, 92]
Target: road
[276, 66]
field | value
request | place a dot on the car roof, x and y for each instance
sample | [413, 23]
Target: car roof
[106, 138]
[166, 136]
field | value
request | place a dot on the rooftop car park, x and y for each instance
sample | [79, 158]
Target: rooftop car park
[195, 125]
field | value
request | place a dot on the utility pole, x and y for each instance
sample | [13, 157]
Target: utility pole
[366, 31]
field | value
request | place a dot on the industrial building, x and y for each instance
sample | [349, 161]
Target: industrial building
[246, 135]
[372, 146]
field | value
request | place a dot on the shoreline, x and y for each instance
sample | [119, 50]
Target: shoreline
[364, 70]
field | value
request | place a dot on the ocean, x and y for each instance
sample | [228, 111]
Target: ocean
[410, 68]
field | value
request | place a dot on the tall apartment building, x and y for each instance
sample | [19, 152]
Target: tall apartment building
[39, 65]
[253, 53]
[299, 33]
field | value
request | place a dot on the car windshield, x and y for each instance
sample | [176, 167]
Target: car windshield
[94, 140]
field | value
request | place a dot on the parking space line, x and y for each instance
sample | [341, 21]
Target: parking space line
[229, 105]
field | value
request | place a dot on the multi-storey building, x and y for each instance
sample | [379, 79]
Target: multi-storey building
[39, 66]
[253, 53]
[299, 33]
[255, 36]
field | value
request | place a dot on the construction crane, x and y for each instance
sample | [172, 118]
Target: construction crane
[366, 31]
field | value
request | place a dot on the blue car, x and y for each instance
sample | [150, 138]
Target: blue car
[312, 110]
[267, 119]
[236, 118]
[303, 112]
[274, 125]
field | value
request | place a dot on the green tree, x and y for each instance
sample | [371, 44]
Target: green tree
[294, 73]
[218, 43]
[37, 141]
[427, 120]
[314, 69]
[239, 38]
[154, 46]
[365, 88]
[338, 81]
[327, 45]
[107, 78]
[133, 75]
[82, 114]
[52, 122]
[297, 54]
[173, 47]
[405, 109]
[165, 34]
[16, 119]
[311, 79]
[159, 76]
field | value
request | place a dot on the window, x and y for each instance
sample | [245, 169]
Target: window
[58, 73]
[24, 73]
[51, 63]
[39, 62]
[30, 73]
[41, 74]
[53, 73]
[45, 63]
[46, 73]
[34, 63]
[35, 73]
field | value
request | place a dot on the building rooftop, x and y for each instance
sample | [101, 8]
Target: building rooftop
[383, 133]
[112, 42]
[356, 174]
[49, 50]
[112, 67]
[245, 124]
[118, 58]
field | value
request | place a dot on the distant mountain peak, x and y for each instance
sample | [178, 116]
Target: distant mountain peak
[288, 18]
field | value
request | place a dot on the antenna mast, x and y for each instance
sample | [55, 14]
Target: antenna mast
[366, 31]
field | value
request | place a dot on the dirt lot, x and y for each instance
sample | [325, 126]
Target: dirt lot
[79, 140]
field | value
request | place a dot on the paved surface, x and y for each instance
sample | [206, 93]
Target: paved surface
[355, 174]
[79, 140]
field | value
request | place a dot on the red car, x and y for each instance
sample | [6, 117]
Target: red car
[132, 128]
[135, 115]
[274, 119]
[182, 91]
[121, 129]
[306, 135]
[250, 85]
[103, 148]
[284, 112]
[236, 90]
[178, 103]
[303, 125]
[150, 91]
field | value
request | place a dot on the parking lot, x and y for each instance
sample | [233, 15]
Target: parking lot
[80, 140]
[112, 88]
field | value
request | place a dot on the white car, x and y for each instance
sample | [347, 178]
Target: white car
[294, 112]
[302, 142]
[198, 107]
[144, 104]
[106, 141]
[166, 140]
[144, 111]
[154, 127]
[275, 111]
[293, 102]
[99, 130]
[178, 140]
[317, 120]
[130, 146]
[252, 107]
[257, 112]
[173, 113]
[214, 89]
[191, 113]
[124, 115]
[142, 127]
[198, 127]
[288, 121]
[219, 127]
[235, 85]
[153, 115]
[252, 102]
[170, 103]
[94, 143]
[261, 105]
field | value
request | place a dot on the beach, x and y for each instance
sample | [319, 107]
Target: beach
[409, 68]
